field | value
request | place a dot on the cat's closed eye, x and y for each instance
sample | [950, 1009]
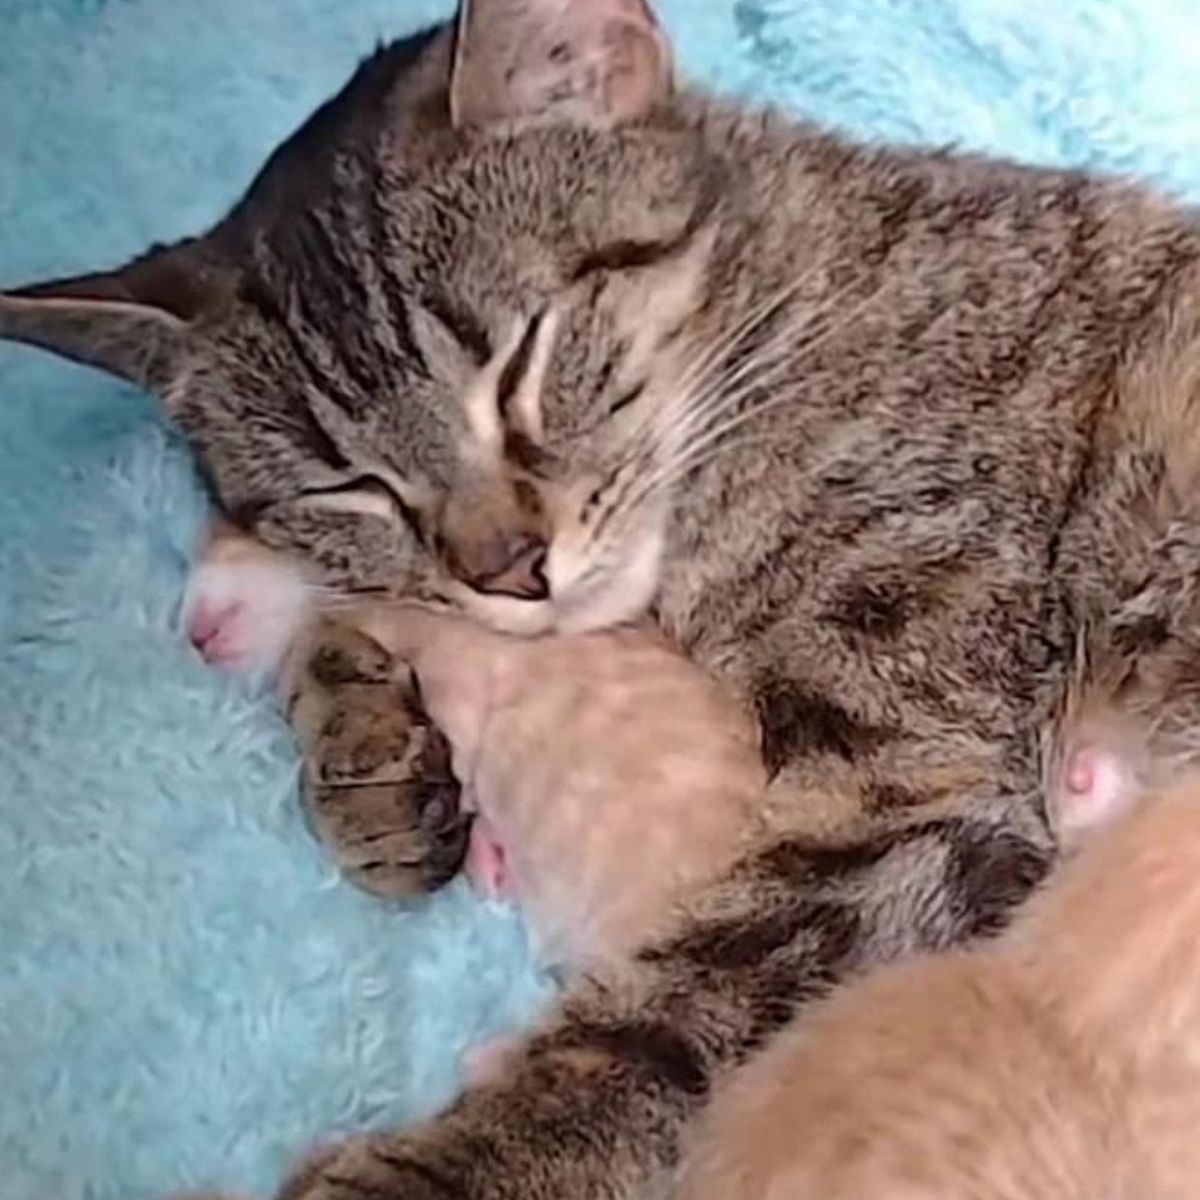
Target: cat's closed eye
[370, 495]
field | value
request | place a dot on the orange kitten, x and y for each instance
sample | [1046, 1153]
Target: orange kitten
[1059, 1062]
[609, 774]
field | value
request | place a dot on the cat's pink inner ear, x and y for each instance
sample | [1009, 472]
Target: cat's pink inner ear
[593, 62]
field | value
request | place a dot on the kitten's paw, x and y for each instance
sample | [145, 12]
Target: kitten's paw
[486, 1062]
[379, 785]
[487, 862]
[244, 615]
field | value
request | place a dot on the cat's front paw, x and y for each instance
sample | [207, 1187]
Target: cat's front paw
[379, 785]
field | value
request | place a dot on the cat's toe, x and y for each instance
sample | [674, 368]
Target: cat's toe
[373, 734]
[380, 791]
[397, 837]
[345, 655]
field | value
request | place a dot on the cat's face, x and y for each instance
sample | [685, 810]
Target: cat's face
[484, 413]
[456, 366]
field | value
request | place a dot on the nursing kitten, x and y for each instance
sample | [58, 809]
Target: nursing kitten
[605, 774]
[1060, 1062]
[900, 446]
[609, 776]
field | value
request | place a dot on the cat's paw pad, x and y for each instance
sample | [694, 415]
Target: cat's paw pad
[487, 862]
[244, 616]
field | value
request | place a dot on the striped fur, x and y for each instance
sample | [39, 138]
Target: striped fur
[899, 445]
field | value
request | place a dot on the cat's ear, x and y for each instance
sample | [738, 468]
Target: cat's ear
[131, 322]
[593, 62]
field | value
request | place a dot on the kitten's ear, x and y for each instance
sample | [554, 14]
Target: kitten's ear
[594, 62]
[130, 322]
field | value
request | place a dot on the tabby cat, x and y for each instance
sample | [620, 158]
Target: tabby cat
[900, 445]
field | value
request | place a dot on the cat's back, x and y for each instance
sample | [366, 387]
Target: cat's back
[877, 556]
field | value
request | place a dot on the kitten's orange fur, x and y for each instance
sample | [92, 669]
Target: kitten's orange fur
[616, 774]
[1060, 1062]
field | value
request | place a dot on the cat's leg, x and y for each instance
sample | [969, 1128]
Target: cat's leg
[599, 1102]
[378, 773]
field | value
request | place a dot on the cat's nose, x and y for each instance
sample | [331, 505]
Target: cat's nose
[505, 564]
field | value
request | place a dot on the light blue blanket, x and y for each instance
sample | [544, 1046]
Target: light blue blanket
[187, 994]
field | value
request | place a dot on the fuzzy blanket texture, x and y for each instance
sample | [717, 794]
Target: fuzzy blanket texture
[188, 995]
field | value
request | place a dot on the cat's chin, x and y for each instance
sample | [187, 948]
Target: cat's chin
[598, 610]
[581, 600]
[586, 600]
[521, 618]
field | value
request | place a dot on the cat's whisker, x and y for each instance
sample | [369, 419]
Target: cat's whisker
[779, 353]
[757, 314]
[706, 365]
[705, 373]
[696, 439]
[701, 432]
[697, 456]
[651, 488]
[710, 437]
[720, 392]
[711, 452]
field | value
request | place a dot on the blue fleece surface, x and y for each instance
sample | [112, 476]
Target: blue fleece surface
[187, 993]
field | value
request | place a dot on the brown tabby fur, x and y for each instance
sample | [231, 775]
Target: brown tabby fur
[1061, 1062]
[900, 445]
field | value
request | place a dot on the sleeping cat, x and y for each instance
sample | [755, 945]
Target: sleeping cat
[899, 446]
[1061, 1062]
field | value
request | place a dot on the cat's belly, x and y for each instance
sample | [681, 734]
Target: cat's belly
[907, 641]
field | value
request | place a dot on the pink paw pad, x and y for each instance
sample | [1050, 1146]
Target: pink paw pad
[487, 863]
